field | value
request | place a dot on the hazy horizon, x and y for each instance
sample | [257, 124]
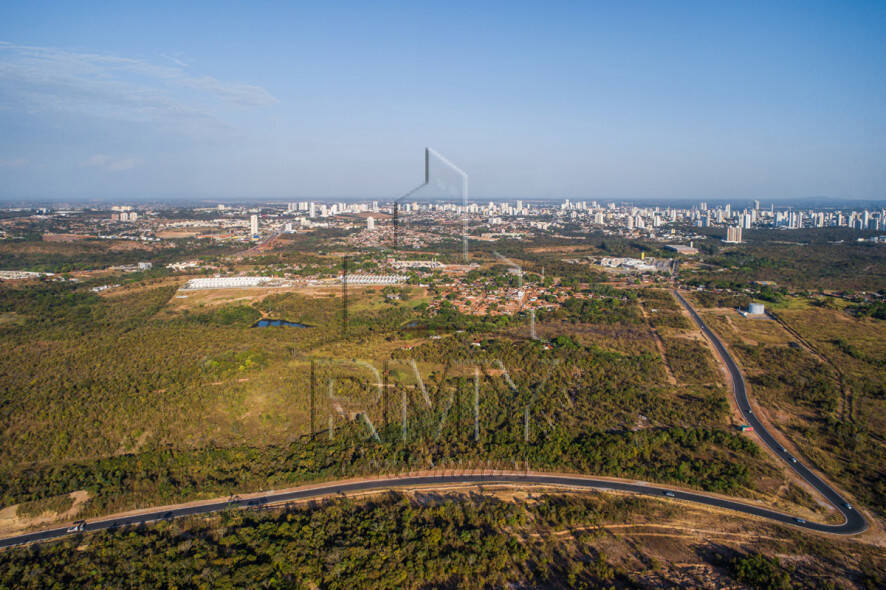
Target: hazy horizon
[740, 101]
[185, 202]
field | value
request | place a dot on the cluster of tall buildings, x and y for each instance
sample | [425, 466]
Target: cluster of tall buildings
[123, 213]
[621, 217]
[860, 220]
[490, 209]
[125, 216]
[325, 210]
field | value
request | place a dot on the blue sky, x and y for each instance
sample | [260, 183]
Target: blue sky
[256, 100]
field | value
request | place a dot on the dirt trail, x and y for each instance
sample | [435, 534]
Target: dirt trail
[661, 348]
[847, 407]
[678, 531]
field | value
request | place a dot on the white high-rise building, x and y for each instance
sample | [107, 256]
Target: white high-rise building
[312, 209]
[370, 223]
[253, 226]
[733, 234]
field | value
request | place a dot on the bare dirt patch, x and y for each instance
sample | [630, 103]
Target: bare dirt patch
[12, 522]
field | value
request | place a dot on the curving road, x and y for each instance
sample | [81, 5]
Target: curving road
[855, 522]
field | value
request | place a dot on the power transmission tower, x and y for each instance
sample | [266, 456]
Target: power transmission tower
[344, 298]
[396, 226]
[385, 393]
[313, 388]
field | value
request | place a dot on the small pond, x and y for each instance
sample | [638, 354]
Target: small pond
[268, 323]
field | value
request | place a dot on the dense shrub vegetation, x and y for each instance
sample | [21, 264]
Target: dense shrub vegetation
[436, 540]
[154, 406]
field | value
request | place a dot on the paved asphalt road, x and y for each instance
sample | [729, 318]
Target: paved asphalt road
[855, 523]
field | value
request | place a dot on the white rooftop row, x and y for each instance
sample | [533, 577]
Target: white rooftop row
[417, 264]
[21, 274]
[370, 279]
[226, 282]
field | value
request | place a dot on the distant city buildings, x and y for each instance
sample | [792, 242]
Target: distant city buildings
[422, 223]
